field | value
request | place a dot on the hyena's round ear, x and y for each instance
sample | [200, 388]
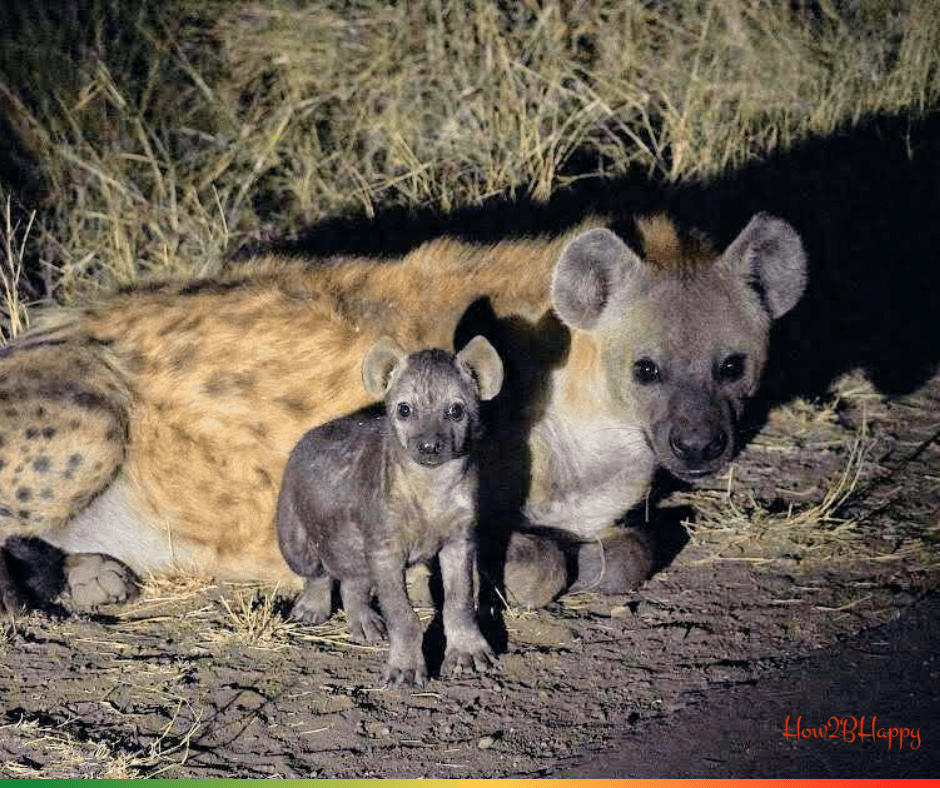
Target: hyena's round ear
[379, 366]
[770, 255]
[591, 268]
[485, 365]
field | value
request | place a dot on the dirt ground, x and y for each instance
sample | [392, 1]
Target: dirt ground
[827, 524]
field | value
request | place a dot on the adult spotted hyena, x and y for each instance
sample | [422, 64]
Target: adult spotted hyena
[153, 427]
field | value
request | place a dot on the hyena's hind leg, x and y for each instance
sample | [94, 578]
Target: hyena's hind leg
[63, 436]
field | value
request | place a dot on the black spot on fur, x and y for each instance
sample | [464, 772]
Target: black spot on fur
[48, 432]
[24, 494]
[23, 514]
[56, 389]
[3, 464]
[41, 464]
[75, 460]
[5, 511]
[31, 433]
[293, 405]
[88, 401]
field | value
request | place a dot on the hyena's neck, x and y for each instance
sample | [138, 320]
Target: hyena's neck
[423, 482]
[591, 461]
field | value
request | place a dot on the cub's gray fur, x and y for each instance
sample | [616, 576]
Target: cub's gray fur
[368, 494]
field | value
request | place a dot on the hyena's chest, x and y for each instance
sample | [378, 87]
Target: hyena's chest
[426, 508]
[586, 474]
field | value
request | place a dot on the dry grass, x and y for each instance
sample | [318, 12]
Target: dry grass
[238, 614]
[738, 527]
[66, 757]
[178, 131]
[14, 317]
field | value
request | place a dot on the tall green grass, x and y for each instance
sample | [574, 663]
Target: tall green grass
[168, 133]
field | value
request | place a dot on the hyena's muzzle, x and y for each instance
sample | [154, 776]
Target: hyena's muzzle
[694, 437]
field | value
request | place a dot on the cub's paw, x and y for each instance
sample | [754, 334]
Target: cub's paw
[366, 625]
[306, 612]
[95, 579]
[315, 604]
[461, 659]
[406, 675]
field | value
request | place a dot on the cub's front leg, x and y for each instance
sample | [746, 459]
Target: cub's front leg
[466, 646]
[406, 663]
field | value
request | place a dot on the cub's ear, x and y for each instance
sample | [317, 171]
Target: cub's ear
[591, 268]
[484, 364]
[770, 255]
[384, 359]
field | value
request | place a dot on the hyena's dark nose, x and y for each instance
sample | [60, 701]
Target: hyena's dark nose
[429, 446]
[696, 449]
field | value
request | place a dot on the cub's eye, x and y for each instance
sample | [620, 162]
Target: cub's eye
[455, 412]
[732, 368]
[404, 410]
[645, 372]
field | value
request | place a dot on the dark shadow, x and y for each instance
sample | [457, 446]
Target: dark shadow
[529, 351]
[666, 533]
[32, 576]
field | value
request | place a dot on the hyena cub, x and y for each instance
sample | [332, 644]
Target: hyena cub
[368, 494]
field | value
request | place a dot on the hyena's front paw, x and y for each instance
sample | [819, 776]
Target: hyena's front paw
[469, 653]
[315, 603]
[618, 563]
[536, 570]
[406, 667]
[365, 625]
[406, 675]
[95, 579]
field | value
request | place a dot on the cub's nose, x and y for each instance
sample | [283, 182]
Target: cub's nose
[429, 446]
[697, 448]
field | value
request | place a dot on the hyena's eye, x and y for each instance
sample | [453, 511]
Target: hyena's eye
[404, 410]
[732, 368]
[455, 412]
[645, 372]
